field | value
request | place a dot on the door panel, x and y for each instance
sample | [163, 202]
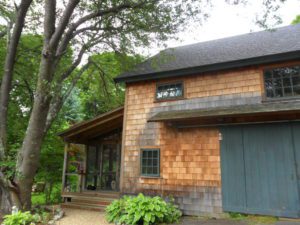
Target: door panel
[233, 173]
[270, 152]
[103, 167]
[269, 170]
[109, 167]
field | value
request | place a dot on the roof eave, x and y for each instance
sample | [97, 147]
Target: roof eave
[78, 126]
[295, 55]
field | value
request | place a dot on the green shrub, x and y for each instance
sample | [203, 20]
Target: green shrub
[142, 210]
[20, 218]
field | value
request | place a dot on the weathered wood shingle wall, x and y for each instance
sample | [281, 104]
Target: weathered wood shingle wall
[190, 158]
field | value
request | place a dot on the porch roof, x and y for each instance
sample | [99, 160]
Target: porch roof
[270, 111]
[93, 128]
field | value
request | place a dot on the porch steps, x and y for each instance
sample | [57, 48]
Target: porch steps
[89, 201]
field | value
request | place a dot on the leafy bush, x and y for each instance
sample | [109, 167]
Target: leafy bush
[20, 218]
[142, 210]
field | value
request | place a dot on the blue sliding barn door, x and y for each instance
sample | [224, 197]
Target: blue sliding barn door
[260, 173]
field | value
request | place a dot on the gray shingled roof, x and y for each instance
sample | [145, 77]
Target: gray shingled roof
[257, 45]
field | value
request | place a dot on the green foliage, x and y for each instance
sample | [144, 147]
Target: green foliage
[52, 196]
[142, 210]
[296, 20]
[252, 219]
[20, 218]
[235, 215]
[96, 92]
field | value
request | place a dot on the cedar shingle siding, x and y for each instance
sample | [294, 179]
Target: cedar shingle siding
[190, 158]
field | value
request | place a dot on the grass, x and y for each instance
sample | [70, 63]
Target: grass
[40, 198]
[253, 219]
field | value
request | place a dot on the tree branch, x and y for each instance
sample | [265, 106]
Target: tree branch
[49, 23]
[63, 22]
[59, 100]
[83, 49]
[8, 72]
[70, 32]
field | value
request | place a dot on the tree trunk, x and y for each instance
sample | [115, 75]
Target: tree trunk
[30, 152]
[5, 200]
[9, 195]
[49, 192]
[29, 155]
[8, 72]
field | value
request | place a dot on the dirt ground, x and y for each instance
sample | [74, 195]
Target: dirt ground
[85, 217]
[82, 217]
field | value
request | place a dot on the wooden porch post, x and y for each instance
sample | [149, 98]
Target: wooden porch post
[65, 166]
[121, 185]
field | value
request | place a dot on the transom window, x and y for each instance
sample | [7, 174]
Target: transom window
[169, 91]
[150, 161]
[282, 82]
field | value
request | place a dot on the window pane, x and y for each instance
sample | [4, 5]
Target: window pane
[277, 73]
[149, 170]
[282, 82]
[270, 93]
[144, 162]
[268, 74]
[277, 83]
[169, 91]
[296, 81]
[288, 91]
[144, 170]
[145, 154]
[278, 92]
[155, 170]
[155, 162]
[150, 162]
[297, 90]
[286, 82]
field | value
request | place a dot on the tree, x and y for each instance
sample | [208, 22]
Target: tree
[85, 26]
[296, 20]
[96, 91]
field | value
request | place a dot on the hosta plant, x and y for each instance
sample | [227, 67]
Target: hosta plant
[142, 210]
[21, 218]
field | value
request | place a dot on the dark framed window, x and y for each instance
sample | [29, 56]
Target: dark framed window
[150, 162]
[169, 91]
[282, 82]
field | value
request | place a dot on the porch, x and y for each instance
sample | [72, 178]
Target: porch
[92, 159]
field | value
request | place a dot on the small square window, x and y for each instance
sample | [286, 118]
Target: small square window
[282, 82]
[169, 91]
[150, 162]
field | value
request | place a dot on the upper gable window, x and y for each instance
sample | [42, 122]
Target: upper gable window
[169, 91]
[282, 82]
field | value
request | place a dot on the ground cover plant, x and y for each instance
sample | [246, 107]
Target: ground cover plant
[142, 210]
[21, 218]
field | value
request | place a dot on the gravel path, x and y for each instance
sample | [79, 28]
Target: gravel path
[85, 217]
[82, 217]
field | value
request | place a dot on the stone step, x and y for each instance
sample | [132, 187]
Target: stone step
[91, 197]
[83, 206]
[91, 201]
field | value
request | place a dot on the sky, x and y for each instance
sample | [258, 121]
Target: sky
[229, 20]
